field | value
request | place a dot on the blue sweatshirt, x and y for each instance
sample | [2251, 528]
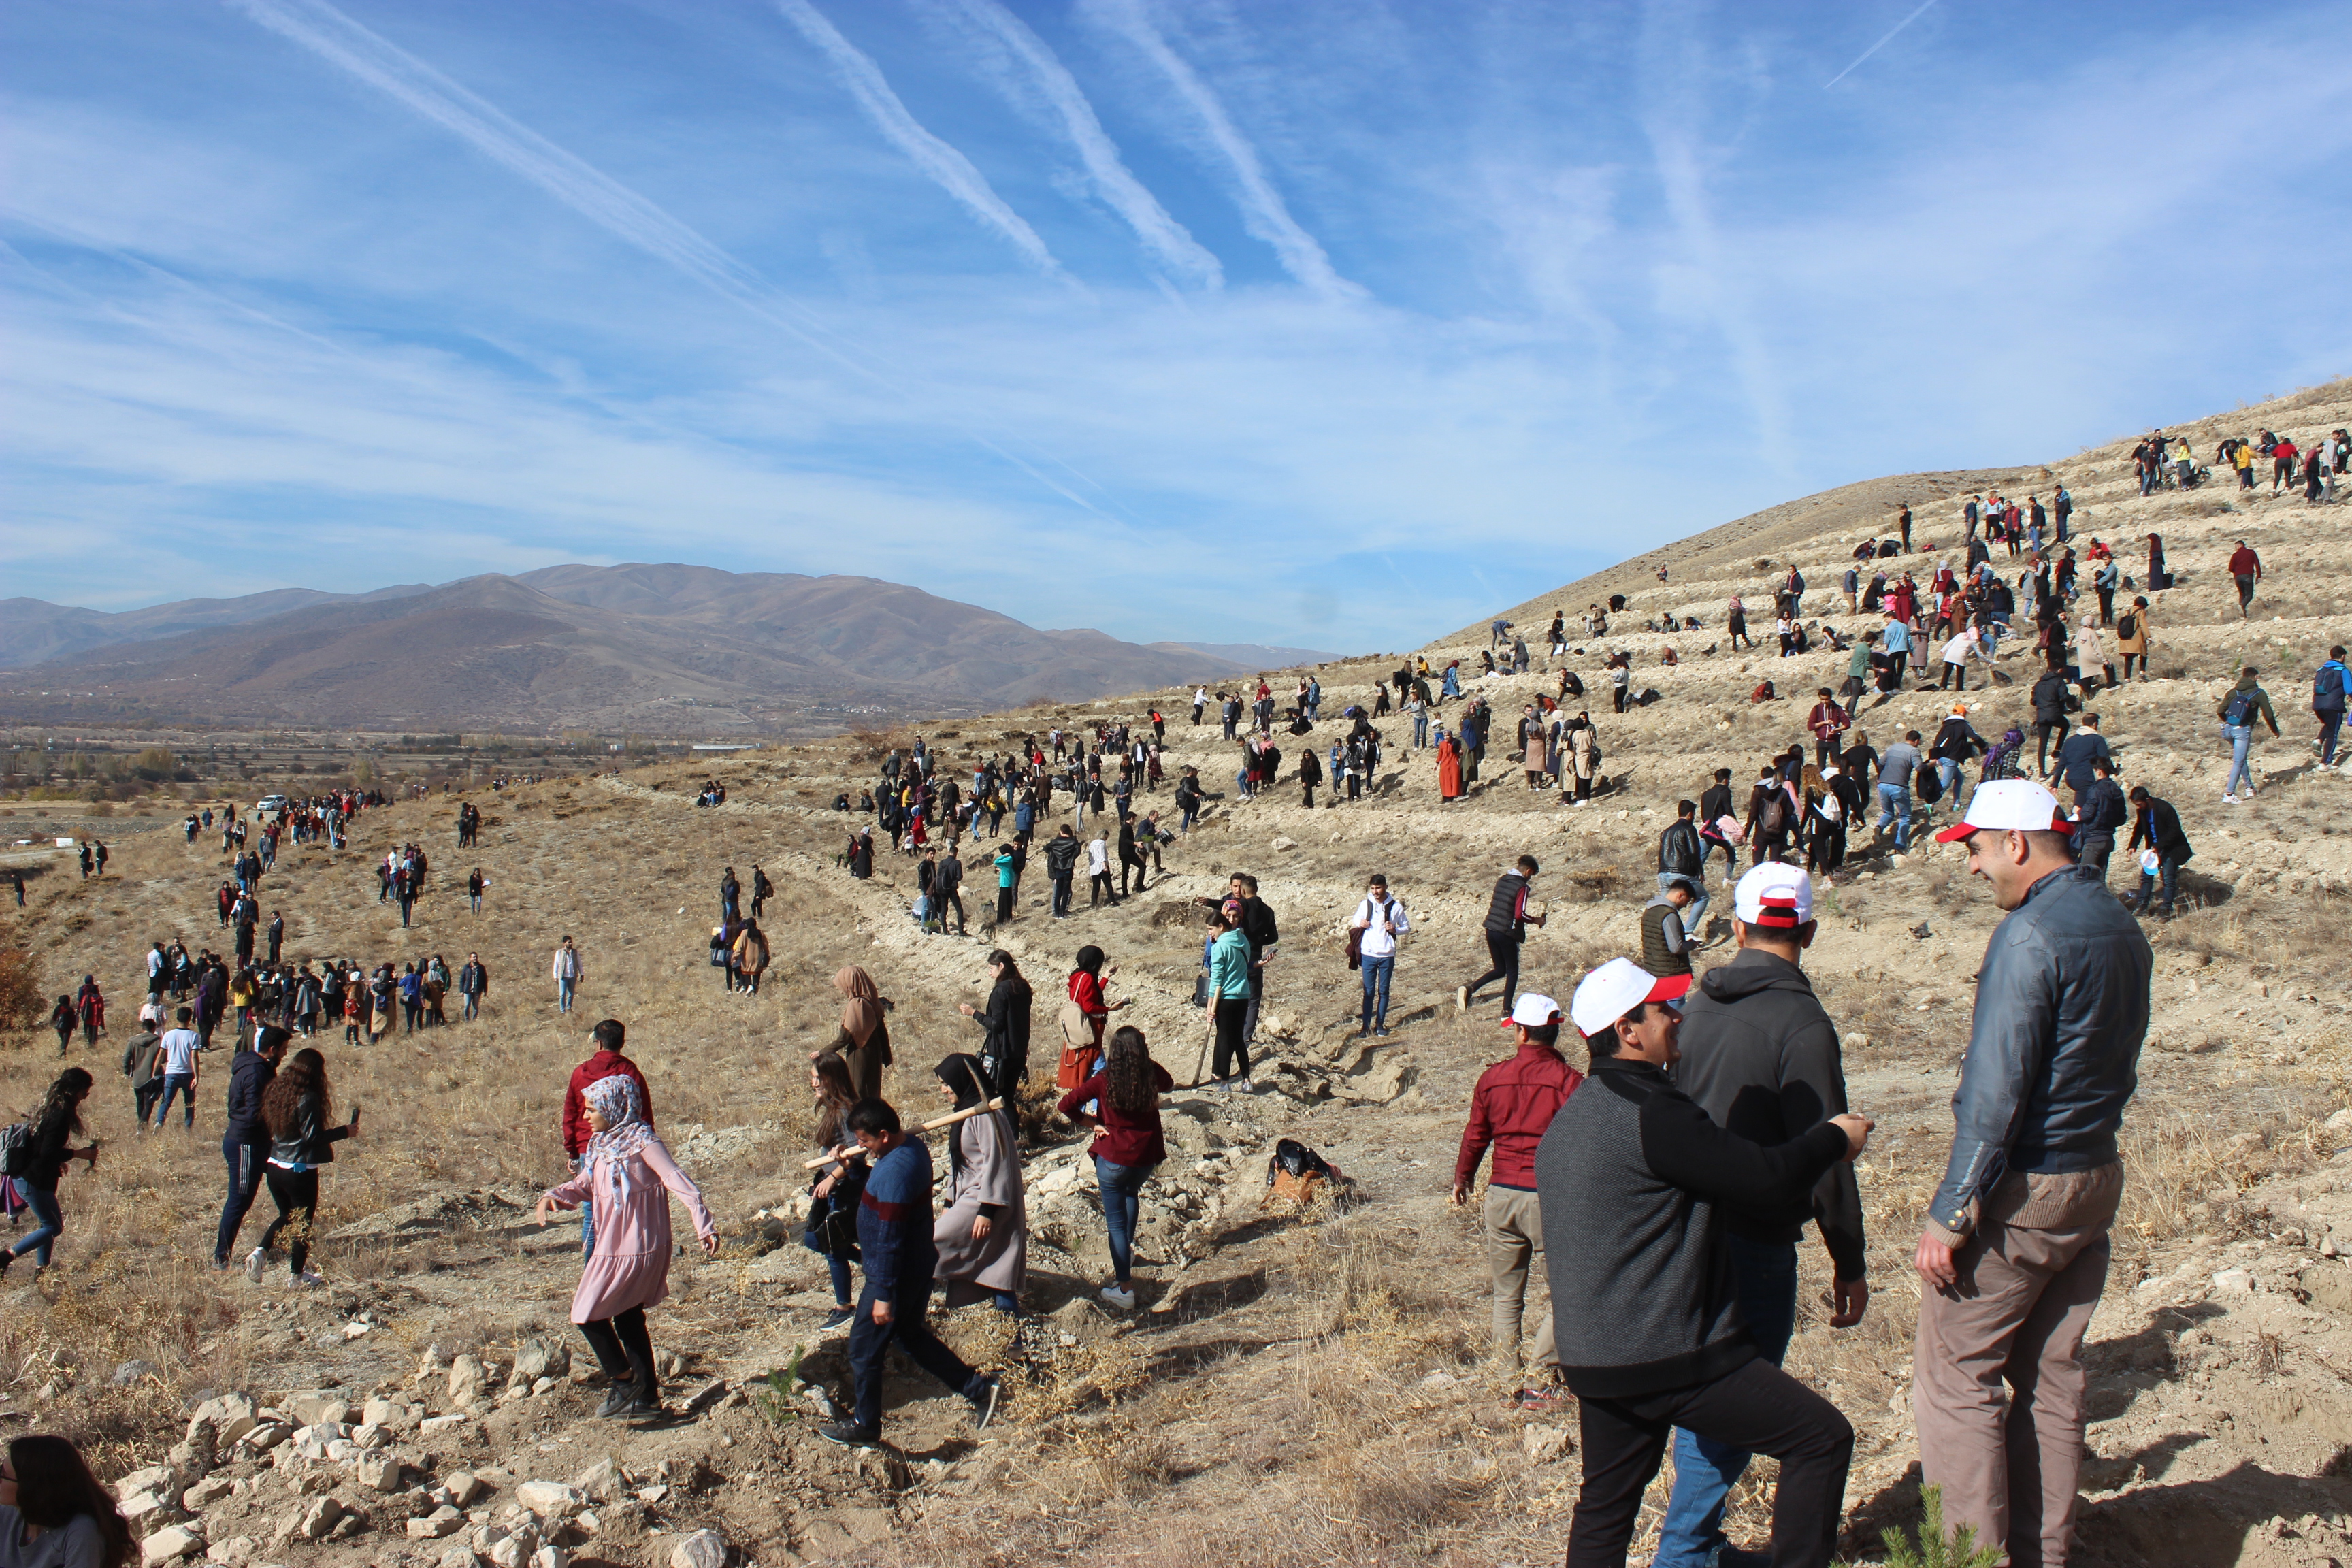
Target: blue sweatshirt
[894, 1224]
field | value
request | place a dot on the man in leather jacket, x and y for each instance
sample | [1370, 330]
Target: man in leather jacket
[1682, 857]
[2016, 1245]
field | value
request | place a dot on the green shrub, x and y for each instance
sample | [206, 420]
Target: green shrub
[1937, 1550]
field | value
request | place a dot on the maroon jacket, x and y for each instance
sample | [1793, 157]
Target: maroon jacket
[1510, 1111]
[1123, 1139]
[603, 1064]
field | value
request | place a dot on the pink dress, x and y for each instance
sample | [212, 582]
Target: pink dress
[631, 1265]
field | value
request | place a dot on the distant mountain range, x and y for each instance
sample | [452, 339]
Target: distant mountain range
[661, 649]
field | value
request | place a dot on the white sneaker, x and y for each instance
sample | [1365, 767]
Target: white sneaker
[255, 1262]
[304, 1280]
[1124, 1300]
[2229, 799]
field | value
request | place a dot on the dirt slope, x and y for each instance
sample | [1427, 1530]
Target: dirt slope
[1295, 1391]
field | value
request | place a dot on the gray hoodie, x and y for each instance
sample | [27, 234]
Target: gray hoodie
[1760, 1056]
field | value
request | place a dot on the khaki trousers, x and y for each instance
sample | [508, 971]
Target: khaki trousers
[2015, 1315]
[1514, 1249]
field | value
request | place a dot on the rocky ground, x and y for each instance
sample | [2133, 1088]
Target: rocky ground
[1296, 1387]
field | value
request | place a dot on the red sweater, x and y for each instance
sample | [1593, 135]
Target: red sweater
[1122, 1139]
[1510, 1111]
[603, 1064]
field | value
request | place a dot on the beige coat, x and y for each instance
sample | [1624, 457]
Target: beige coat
[990, 1174]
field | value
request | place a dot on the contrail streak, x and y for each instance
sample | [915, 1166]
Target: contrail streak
[942, 163]
[1262, 211]
[1127, 195]
[628, 217]
[1879, 45]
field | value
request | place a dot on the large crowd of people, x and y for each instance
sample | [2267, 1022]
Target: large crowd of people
[1653, 1190]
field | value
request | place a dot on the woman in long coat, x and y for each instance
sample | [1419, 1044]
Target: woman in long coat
[629, 1175]
[1584, 745]
[1449, 767]
[864, 1043]
[982, 1234]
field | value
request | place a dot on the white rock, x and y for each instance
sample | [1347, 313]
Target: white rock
[379, 1471]
[232, 1415]
[236, 1551]
[702, 1549]
[601, 1480]
[153, 1478]
[354, 1331]
[206, 1493]
[267, 1436]
[320, 1518]
[549, 1500]
[463, 1486]
[549, 1556]
[143, 1510]
[466, 1380]
[2234, 1282]
[169, 1545]
[433, 1424]
[460, 1557]
[370, 1435]
[443, 1520]
[311, 1408]
[516, 1550]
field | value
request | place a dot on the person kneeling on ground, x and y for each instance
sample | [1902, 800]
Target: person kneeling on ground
[630, 1175]
[1632, 1179]
[894, 1235]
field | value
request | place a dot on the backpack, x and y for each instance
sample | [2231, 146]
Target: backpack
[2127, 626]
[1931, 783]
[1774, 817]
[17, 1149]
[1080, 1054]
[2241, 709]
[1299, 1175]
[2329, 675]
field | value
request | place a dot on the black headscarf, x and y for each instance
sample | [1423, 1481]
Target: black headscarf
[968, 1080]
[1090, 959]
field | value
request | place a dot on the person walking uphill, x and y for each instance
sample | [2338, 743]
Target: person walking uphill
[864, 1043]
[1004, 1051]
[2015, 1249]
[1634, 1182]
[629, 1175]
[1124, 1096]
[982, 1237]
[296, 1108]
[1506, 930]
[245, 1142]
[611, 1037]
[50, 1151]
[1761, 1057]
[894, 1235]
[1512, 1105]
[1377, 923]
[2246, 703]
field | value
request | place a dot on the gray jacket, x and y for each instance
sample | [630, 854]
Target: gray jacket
[2053, 1055]
[1761, 1059]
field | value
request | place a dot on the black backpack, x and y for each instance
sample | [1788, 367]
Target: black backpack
[2127, 626]
[17, 1149]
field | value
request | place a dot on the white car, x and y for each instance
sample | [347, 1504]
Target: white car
[272, 806]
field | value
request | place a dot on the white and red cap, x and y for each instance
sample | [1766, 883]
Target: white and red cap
[1773, 896]
[1535, 1010]
[2006, 805]
[1615, 989]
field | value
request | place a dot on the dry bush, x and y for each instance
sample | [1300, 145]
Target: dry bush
[22, 1001]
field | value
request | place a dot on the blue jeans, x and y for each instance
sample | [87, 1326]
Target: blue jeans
[177, 1083]
[1421, 730]
[2331, 724]
[2241, 737]
[473, 1004]
[1695, 917]
[50, 1223]
[1895, 805]
[2168, 870]
[1377, 974]
[1120, 1202]
[1765, 1276]
[563, 994]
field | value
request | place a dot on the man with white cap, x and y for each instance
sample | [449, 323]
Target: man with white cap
[1760, 1056]
[1510, 1113]
[1635, 1179]
[2015, 1251]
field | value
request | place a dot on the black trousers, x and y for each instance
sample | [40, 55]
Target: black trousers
[1233, 1037]
[295, 1193]
[1061, 896]
[2042, 731]
[1136, 864]
[246, 1163]
[1004, 904]
[1760, 1408]
[624, 1349]
[910, 1331]
[1503, 947]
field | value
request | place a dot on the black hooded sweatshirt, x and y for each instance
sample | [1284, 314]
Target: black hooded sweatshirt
[1760, 1056]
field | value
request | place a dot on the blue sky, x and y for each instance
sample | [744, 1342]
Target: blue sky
[1328, 323]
